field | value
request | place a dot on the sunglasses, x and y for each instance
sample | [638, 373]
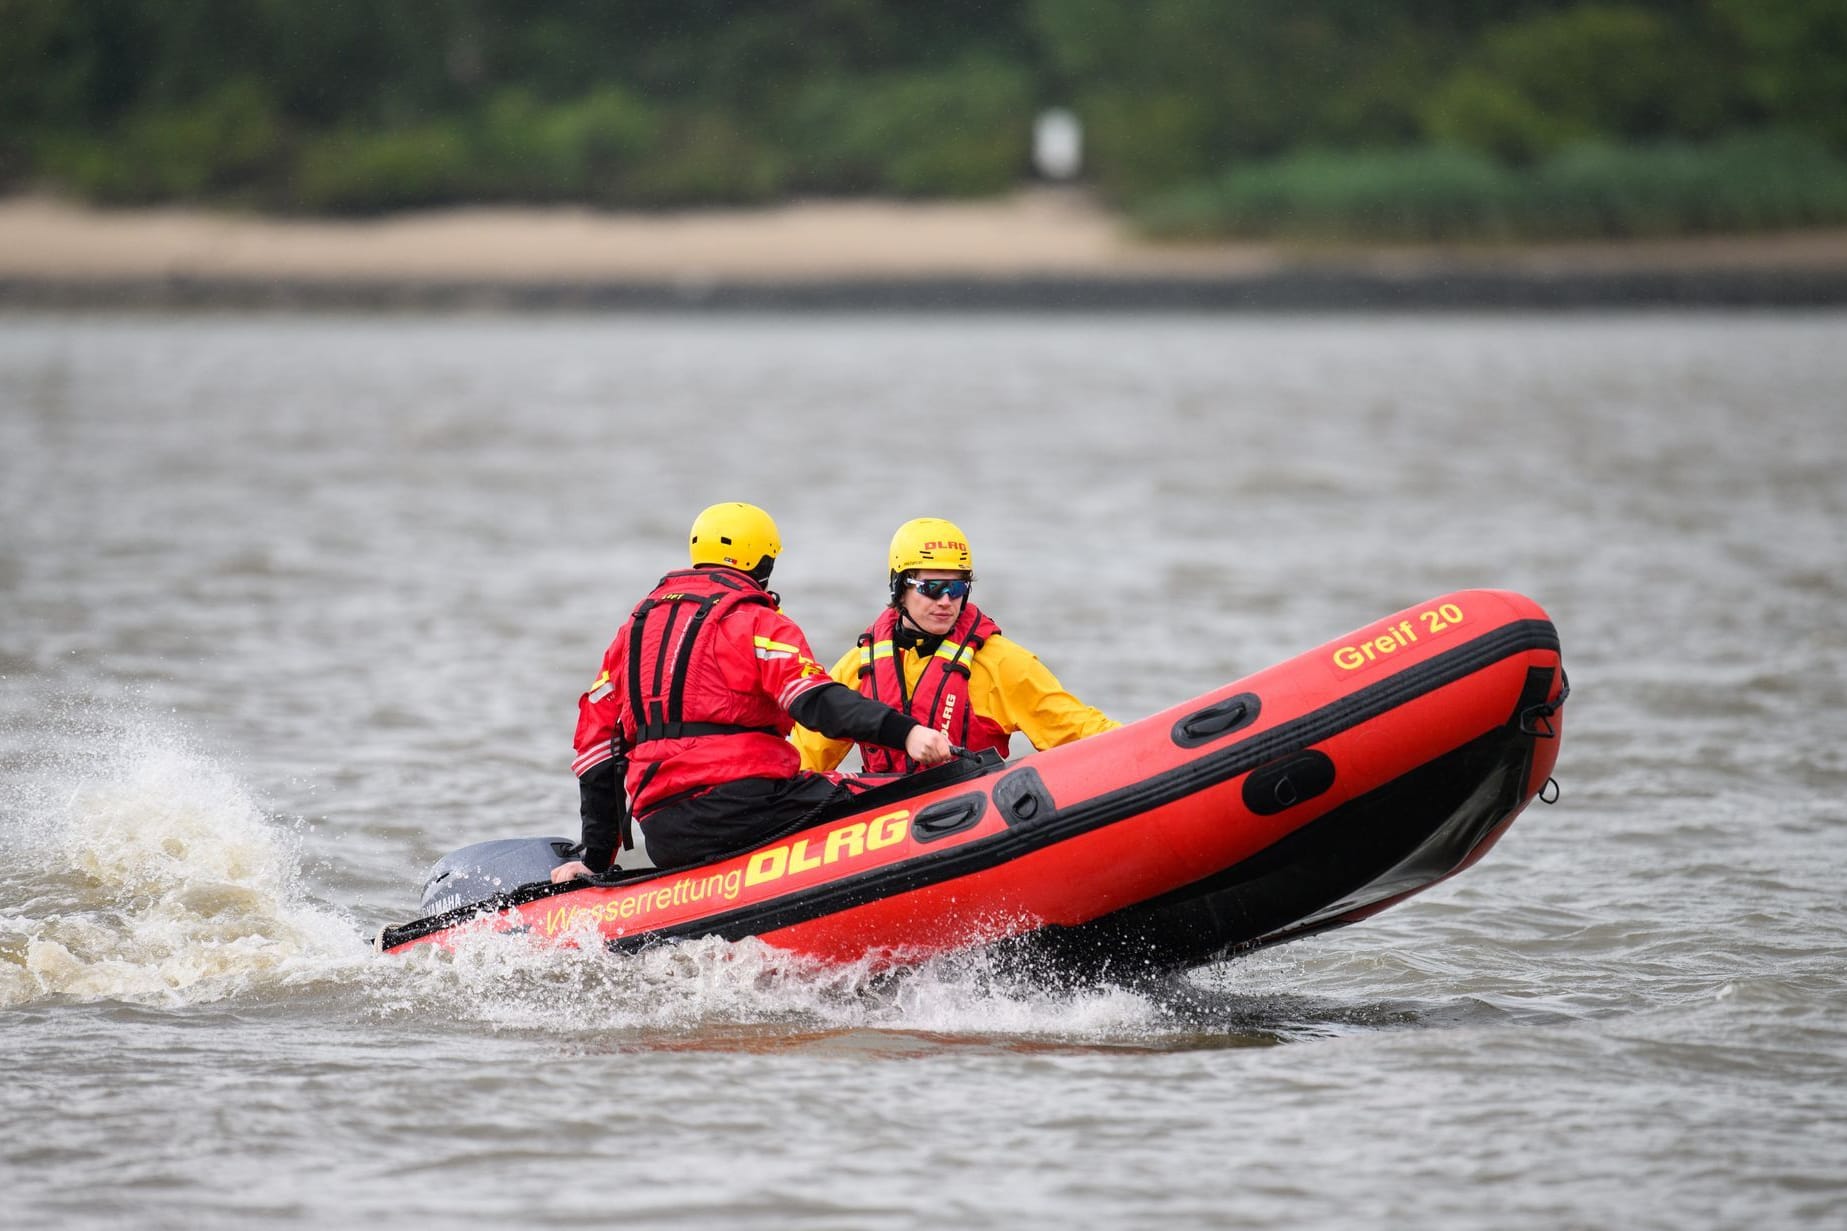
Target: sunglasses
[939, 587]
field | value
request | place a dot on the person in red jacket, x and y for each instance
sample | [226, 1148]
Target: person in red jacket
[684, 735]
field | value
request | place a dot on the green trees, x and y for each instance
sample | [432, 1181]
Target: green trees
[1594, 71]
[1203, 116]
[1795, 62]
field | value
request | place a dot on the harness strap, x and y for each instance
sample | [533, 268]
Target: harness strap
[660, 663]
[637, 699]
[688, 730]
[676, 700]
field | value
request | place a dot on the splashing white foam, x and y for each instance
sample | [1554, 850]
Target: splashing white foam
[150, 876]
[747, 993]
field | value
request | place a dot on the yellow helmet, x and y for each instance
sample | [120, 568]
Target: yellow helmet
[930, 542]
[927, 542]
[741, 536]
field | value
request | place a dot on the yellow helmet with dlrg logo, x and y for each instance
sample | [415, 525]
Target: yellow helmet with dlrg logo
[740, 536]
[928, 542]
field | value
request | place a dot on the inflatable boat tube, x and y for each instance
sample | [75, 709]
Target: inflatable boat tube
[1305, 797]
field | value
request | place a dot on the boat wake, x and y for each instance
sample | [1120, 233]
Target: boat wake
[149, 876]
[154, 877]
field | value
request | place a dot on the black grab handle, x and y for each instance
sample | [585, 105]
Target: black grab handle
[1202, 726]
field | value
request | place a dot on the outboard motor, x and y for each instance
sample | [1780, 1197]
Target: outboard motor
[476, 873]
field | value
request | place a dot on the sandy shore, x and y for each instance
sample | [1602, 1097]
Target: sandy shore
[1037, 243]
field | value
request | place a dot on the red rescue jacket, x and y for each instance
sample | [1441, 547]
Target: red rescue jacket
[940, 699]
[698, 683]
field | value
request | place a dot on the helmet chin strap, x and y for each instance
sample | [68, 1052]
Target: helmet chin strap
[923, 634]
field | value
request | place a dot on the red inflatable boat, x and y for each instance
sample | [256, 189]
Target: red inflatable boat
[1307, 796]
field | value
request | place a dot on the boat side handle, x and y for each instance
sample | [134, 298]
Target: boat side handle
[948, 816]
[1202, 726]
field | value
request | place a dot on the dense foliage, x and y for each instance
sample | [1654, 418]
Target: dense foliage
[1205, 116]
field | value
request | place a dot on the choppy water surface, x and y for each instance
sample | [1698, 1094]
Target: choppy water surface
[291, 607]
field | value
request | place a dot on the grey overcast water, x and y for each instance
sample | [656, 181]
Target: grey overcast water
[292, 605]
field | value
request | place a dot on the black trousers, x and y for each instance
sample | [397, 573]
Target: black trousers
[733, 816]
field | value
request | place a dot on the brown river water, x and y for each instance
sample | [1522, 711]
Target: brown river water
[292, 605]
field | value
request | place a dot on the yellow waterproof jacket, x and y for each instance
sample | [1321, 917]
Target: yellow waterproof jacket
[1007, 685]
